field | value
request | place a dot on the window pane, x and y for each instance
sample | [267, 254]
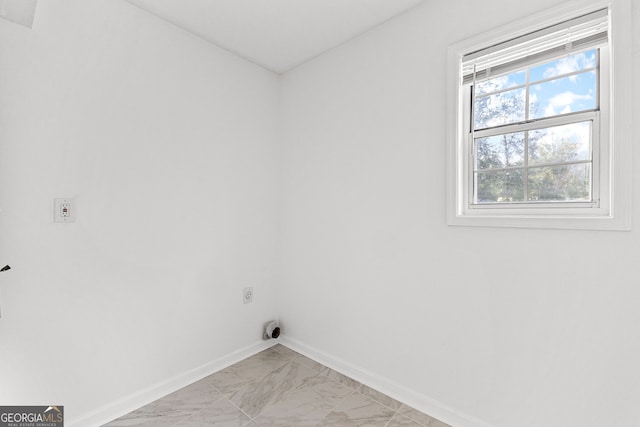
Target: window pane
[558, 144]
[500, 151]
[568, 64]
[560, 183]
[500, 83]
[499, 109]
[563, 96]
[500, 186]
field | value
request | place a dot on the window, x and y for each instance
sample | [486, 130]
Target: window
[532, 143]
[534, 134]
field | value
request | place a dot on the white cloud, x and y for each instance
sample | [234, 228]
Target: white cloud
[562, 102]
[553, 138]
[570, 64]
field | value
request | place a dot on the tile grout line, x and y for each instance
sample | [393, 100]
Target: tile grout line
[392, 417]
[232, 404]
[291, 360]
[355, 389]
[251, 419]
[325, 375]
[318, 374]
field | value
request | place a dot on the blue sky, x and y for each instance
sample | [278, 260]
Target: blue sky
[565, 95]
[568, 94]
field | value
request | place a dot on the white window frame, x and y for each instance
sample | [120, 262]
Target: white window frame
[598, 145]
[611, 165]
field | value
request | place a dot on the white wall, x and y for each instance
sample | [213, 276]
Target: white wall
[171, 148]
[512, 327]
[167, 143]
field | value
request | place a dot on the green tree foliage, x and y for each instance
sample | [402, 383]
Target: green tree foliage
[500, 159]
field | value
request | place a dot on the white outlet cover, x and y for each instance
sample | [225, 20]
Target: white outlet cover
[64, 209]
[247, 295]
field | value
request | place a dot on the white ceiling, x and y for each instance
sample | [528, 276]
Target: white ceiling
[276, 34]
[19, 11]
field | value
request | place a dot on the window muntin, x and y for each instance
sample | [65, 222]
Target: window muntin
[533, 134]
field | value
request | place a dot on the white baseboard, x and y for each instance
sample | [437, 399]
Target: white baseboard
[391, 388]
[140, 398]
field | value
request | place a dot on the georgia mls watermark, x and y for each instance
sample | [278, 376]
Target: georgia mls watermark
[31, 416]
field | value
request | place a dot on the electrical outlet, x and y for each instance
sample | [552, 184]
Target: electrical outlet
[247, 295]
[64, 210]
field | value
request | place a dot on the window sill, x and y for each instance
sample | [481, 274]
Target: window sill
[542, 221]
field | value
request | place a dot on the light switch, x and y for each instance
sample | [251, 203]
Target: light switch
[64, 210]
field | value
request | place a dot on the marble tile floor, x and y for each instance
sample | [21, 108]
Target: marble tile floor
[276, 387]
